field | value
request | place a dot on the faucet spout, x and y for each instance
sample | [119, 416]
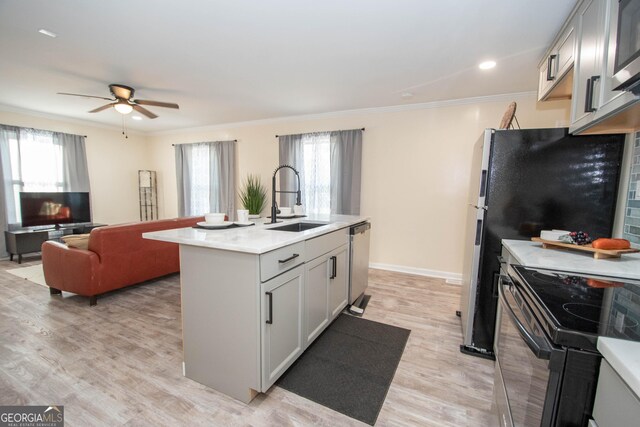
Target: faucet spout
[274, 205]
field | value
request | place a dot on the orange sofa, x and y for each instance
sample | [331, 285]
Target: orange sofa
[117, 257]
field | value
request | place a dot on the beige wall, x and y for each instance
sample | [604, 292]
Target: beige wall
[414, 175]
[415, 170]
[112, 160]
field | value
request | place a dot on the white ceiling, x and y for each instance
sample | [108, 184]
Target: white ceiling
[232, 61]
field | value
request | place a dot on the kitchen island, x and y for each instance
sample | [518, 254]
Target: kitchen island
[254, 298]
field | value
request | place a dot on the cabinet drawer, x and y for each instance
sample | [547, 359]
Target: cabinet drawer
[325, 243]
[280, 260]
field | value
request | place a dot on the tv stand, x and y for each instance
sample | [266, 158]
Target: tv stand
[26, 241]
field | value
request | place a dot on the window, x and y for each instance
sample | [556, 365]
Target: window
[316, 173]
[36, 165]
[200, 188]
[330, 166]
[205, 178]
[35, 160]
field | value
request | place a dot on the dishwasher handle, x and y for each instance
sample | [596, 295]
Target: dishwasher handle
[360, 228]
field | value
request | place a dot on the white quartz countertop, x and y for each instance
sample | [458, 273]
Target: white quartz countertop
[624, 358]
[255, 239]
[531, 254]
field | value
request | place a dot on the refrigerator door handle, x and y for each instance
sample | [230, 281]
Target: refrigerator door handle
[483, 183]
[478, 232]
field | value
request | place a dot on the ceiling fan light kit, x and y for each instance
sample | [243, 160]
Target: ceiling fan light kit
[124, 102]
[123, 107]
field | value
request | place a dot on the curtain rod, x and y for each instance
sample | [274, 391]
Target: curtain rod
[41, 130]
[362, 129]
[186, 143]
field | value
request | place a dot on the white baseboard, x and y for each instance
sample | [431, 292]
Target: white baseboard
[451, 278]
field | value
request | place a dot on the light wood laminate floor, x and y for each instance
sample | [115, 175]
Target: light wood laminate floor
[120, 362]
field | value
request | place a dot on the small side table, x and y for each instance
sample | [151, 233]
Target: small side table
[24, 241]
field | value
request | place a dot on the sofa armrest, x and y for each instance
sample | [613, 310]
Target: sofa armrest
[70, 269]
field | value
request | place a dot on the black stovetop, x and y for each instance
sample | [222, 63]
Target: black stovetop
[576, 309]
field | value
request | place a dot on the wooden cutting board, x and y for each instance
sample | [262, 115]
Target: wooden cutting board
[597, 253]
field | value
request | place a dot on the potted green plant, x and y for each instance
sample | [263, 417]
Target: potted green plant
[253, 195]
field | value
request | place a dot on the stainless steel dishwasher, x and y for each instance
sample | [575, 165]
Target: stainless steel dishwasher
[359, 264]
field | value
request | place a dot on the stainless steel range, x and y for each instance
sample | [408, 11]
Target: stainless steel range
[549, 322]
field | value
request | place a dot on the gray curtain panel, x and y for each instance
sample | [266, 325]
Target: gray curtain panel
[75, 171]
[291, 152]
[346, 171]
[184, 162]
[222, 156]
[221, 179]
[7, 203]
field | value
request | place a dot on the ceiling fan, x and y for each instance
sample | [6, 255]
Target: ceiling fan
[124, 101]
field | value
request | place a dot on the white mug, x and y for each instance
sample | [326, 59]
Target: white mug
[243, 215]
[214, 218]
[298, 210]
[285, 211]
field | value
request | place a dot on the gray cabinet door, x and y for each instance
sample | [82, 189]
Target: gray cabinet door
[282, 333]
[338, 281]
[316, 297]
[588, 72]
[553, 82]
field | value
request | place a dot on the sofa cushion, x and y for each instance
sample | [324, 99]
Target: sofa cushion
[78, 241]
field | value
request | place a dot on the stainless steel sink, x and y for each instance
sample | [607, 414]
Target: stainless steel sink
[299, 226]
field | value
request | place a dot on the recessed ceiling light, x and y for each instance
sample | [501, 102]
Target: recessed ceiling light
[487, 65]
[136, 117]
[48, 33]
[407, 95]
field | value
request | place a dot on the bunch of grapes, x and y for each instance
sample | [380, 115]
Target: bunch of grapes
[580, 237]
[573, 280]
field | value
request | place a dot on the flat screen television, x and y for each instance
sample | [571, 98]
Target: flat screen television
[38, 209]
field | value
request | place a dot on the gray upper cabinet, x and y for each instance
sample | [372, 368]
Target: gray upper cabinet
[588, 70]
[580, 66]
[555, 76]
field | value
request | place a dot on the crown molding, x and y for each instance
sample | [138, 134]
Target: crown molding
[19, 110]
[355, 112]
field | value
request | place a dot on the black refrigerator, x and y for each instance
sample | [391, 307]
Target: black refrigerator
[524, 181]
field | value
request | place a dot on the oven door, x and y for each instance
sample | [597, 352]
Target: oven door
[529, 386]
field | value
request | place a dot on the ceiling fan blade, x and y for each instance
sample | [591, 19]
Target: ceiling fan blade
[86, 96]
[104, 107]
[157, 103]
[144, 111]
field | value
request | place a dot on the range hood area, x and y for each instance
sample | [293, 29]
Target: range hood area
[583, 63]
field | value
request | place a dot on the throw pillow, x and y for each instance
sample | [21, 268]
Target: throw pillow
[78, 241]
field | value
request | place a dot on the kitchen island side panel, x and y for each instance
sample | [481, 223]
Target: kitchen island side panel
[220, 319]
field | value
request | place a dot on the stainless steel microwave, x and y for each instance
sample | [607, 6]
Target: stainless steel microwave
[627, 62]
